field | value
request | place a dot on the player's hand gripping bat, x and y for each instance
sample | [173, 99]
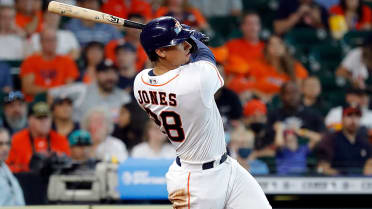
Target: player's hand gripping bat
[92, 15]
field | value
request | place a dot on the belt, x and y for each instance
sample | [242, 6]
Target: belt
[206, 165]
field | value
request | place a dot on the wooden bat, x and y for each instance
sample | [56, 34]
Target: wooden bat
[92, 15]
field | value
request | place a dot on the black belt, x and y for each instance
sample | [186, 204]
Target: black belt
[206, 165]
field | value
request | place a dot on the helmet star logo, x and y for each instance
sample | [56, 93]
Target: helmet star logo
[177, 27]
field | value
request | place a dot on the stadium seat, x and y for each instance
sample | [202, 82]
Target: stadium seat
[223, 25]
[356, 38]
[326, 56]
[368, 3]
[304, 38]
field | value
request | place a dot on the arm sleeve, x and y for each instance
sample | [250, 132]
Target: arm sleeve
[202, 53]
[210, 81]
[26, 67]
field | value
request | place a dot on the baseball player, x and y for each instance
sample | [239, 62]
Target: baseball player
[178, 94]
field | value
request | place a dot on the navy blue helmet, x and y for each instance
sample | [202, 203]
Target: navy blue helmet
[163, 32]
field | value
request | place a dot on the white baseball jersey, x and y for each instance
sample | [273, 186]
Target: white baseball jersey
[182, 103]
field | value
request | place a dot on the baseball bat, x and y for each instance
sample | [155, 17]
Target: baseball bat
[92, 15]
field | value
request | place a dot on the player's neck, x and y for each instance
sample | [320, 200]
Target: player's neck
[162, 67]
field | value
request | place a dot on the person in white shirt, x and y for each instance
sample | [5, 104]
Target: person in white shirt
[12, 38]
[11, 193]
[354, 97]
[356, 64]
[98, 122]
[155, 144]
[67, 43]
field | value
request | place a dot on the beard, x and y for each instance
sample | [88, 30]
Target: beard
[107, 86]
[16, 123]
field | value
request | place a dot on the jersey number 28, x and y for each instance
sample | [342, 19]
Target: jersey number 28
[171, 122]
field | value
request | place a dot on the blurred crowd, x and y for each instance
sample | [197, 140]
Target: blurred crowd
[296, 99]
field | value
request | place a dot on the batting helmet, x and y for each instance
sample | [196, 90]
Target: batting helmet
[163, 32]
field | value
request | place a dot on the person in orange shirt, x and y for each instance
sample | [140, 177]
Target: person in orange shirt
[40, 72]
[37, 138]
[131, 36]
[184, 13]
[242, 51]
[29, 15]
[275, 68]
[357, 15]
[123, 9]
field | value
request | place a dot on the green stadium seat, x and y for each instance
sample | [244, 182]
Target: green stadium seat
[304, 38]
[327, 79]
[356, 38]
[368, 3]
[326, 56]
[216, 40]
[223, 25]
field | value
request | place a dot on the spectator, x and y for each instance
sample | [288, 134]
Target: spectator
[353, 97]
[305, 122]
[238, 62]
[11, 193]
[255, 119]
[88, 31]
[15, 112]
[355, 65]
[6, 80]
[11, 36]
[67, 43]
[81, 145]
[103, 92]
[184, 13]
[126, 61]
[155, 144]
[93, 55]
[125, 129]
[40, 72]
[346, 151]
[357, 15]
[62, 116]
[242, 148]
[37, 138]
[124, 9]
[132, 36]
[211, 8]
[291, 157]
[311, 90]
[228, 103]
[300, 14]
[98, 123]
[276, 68]
[29, 15]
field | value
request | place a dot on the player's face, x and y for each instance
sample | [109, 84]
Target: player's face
[178, 55]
